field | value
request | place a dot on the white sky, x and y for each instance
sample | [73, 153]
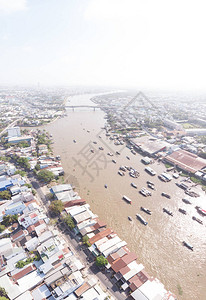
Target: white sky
[126, 43]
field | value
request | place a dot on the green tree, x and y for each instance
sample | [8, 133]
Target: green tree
[5, 195]
[3, 298]
[22, 173]
[9, 219]
[45, 175]
[20, 264]
[37, 167]
[56, 207]
[28, 185]
[69, 221]
[2, 228]
[85, 240]
[3, 294]
[101, 261]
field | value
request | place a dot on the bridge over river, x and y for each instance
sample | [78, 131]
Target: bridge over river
[82, 106]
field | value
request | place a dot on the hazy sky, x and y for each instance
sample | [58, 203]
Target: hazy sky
[143, 44]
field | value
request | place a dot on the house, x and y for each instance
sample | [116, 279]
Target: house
[32, 243]
[19, 235]
[19, 273]
[15, 208]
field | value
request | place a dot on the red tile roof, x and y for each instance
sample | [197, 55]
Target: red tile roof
[30, 228]
[124, 261]
[18, 234]
[186, 160]
[23, 272]
[100, 235]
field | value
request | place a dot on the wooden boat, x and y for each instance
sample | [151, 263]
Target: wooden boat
[127, 157]
[168, 212]
[127, 199]
[117, 152]
[74, 141]
[146, 210]
[121, 173]
[151, 186]
[182, 211]
[141, 219]
[129, 218]
[134, 185]
[114, 161]
[187, 245]
[186, 201]
[200, 210]
[198, 220]
[166, 195]
[105, 186]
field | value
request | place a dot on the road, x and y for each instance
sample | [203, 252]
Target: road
[81, 251]
[10, 125]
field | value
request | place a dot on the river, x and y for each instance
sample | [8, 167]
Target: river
[159, 244]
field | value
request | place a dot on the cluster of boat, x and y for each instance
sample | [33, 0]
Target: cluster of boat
[145, 192]
[151, 185]
[132, 172]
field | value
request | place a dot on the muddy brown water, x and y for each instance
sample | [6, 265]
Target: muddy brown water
[159, 244]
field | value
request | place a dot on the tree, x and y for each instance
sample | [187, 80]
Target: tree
[45, 175]
[3, 294]
[56, 207]
[37, 167]
[85, 240]
[5, 195]
[22, 173]
[2, 228]
[69, 221]
[101, 261]
[9, 219]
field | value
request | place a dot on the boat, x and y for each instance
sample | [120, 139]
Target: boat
[151, 186]
[127, 199]
[145, 192]
[182, 186]
[166, 195]
[74, 141]
[92, 150]
[127, 157]
[162, 178]
[187, 245]
[88, 130]
[114, 161]
[133, 152]
[150, 171]
[200, 210]
[134, 185]
[185, 200]
[94, 142]
[110, 154]
[117, 152]
[121, 173]
[129, 218]
[101, 148]
[183, 211]
[142, 220]
[100, 137]
[198, 220]
[105, 186]
[168, 212]
[149, 182]
[122, 168]
[146, 210]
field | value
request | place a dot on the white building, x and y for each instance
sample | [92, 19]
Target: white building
[13, 132]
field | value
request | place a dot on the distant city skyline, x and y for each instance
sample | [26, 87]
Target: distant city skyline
[123, 43]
